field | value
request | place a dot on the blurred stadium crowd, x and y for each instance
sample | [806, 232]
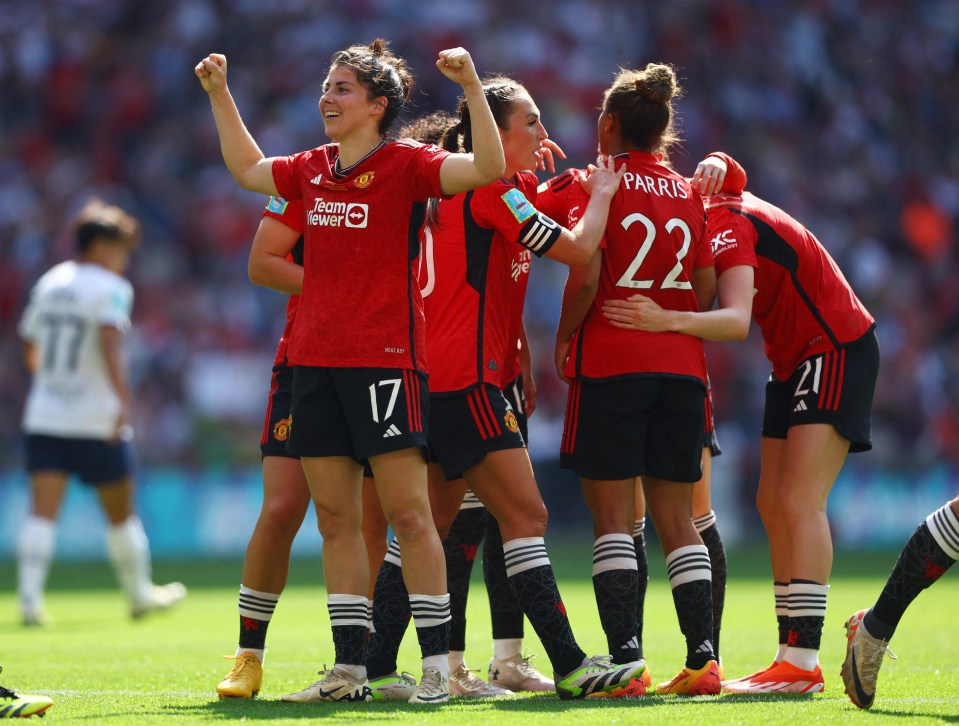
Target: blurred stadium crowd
[844, 112]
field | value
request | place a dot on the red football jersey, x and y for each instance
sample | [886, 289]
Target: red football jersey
[361, 306]
[803, 304]
[290, 214]
[655, 235]
[473, 279]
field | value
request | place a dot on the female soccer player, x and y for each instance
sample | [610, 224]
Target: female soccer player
[359, 388]
[556, 197]
[77, 416]
[822, 345]
[286, 494]
[637, 401]
[475, 239]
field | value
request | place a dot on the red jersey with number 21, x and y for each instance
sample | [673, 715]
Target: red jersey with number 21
[803, 304]
[361, 305]
[655, 235]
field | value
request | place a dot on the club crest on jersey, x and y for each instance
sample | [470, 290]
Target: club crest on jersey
[281, 429]
[511, 423]
[277, 205]
[518, 205]
[364, 180]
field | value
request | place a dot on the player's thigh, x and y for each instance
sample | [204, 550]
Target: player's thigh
[611, 504]
[505, 484]
[814, 455]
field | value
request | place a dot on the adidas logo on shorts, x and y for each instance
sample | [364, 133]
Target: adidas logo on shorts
[392, 431]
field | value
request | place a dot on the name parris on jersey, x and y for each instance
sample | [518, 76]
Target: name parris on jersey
[660, 186]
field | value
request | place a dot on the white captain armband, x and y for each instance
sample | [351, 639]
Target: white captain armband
[539, 234]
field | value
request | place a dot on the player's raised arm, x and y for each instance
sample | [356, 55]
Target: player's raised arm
[462, 172]
[240, 152]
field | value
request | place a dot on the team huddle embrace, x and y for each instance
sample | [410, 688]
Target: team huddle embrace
[403, 381]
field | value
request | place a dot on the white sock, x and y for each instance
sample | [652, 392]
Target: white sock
[438, 661]
[804, 658]
[129, 553]
[457, 658]
[35, 548]
[505, 648]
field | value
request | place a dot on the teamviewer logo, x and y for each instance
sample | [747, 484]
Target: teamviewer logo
[357, 215]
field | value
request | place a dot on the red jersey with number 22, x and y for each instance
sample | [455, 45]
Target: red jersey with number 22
[361, 305]
[655, 235]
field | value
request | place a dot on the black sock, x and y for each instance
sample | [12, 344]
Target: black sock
[921, 562]
[256, 610]
[505, 611]
[348, 620]
[531, 577]
[431, 617]
[391, 615]
[460, 546]
[717, 563]
[807, 613]
[615, 584]
[642, 575]
[690, 580]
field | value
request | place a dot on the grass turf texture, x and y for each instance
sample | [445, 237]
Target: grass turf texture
[102, 668]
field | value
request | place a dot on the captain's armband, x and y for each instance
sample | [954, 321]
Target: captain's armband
[539, 234]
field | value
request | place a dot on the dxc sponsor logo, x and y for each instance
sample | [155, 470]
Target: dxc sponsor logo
[723, 239]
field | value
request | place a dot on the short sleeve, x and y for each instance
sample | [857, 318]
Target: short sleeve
[117, 307]
[289, 212]
[425, 170]
[733, 239]
[286, 175]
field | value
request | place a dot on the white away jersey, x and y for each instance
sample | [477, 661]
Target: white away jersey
[71, 394]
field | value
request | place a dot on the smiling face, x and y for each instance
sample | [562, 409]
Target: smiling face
[523, 136]
[346, 106]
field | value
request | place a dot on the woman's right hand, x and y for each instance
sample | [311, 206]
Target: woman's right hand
[457, 65]
[212, 72]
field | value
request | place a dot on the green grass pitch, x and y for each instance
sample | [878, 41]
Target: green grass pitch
[102, 668]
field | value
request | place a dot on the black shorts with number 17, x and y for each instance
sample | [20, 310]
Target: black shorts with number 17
[357, 412]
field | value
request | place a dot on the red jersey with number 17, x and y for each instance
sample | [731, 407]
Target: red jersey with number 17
[655, 235]
[290, 214]
[361, 305]
[803, 304]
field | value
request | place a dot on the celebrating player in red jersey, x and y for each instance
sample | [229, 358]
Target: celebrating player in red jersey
[286, 494]
[359, 387]
[557, 197]
[637, 400]
[825, 358]
[474, 432]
